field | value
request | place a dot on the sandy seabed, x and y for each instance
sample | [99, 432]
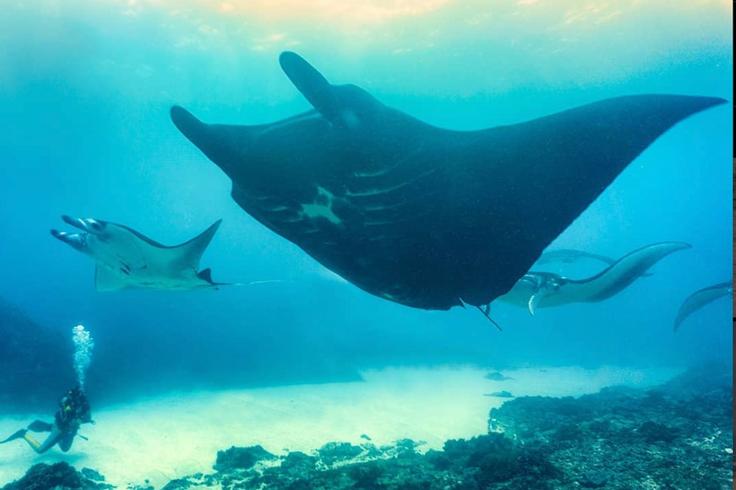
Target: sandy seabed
[179, 433]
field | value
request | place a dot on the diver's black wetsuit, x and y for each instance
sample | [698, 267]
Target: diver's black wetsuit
[73, 411]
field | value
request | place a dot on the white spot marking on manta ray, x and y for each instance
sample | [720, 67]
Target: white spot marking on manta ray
[323, 210]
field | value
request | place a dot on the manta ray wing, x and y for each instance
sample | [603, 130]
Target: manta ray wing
[619, 275]
[107, 280]
[174, 258]
[700, 298]
[421, 215]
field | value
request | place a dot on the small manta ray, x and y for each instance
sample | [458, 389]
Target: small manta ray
[424, 216]
[126, 259]
[700, 298]
[545, 289]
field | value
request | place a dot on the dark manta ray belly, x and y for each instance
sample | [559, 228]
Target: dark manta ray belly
[419, 215]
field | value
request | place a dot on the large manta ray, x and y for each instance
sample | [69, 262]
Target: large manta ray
[424, 216]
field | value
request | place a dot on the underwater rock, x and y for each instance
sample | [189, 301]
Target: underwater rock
[500, 394]
[146, 486]
[594, 479]
[468, 465]
[494, 458]
[497, 376]
[31, 352]
[298, 463]
[58, 476]
[705, 378]
[92, 474]
[334, 452]
[241, 458]
[198, 480]
[654, 432]
[178, 484]
[672, 436]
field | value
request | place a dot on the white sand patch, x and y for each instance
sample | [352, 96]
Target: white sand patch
[178, 434]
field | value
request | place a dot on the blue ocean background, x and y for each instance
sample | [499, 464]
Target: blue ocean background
[85, 90]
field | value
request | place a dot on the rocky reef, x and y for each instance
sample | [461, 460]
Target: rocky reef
[31, 352]
[59, 476]
[675, 436]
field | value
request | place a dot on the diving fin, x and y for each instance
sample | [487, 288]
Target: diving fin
[17, 435]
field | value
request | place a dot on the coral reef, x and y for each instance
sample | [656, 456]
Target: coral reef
[676, 436]
[59, 476]
[241, 458]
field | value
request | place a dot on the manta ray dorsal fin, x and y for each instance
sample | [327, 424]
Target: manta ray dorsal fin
[189, 253]
[206, 275]
[315, 87]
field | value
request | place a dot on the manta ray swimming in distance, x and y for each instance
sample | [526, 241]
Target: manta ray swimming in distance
[545, 289]
[700, 299]
[423, 216]
[127, 259]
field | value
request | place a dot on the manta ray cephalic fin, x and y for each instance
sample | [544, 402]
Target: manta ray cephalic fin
[311, 83]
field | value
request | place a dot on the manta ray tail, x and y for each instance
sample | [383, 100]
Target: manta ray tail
[622, 273]
[486, 310]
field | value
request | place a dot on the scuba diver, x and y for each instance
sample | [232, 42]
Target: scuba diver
[73, 411]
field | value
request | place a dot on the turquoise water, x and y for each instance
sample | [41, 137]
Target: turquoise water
[85, 92]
